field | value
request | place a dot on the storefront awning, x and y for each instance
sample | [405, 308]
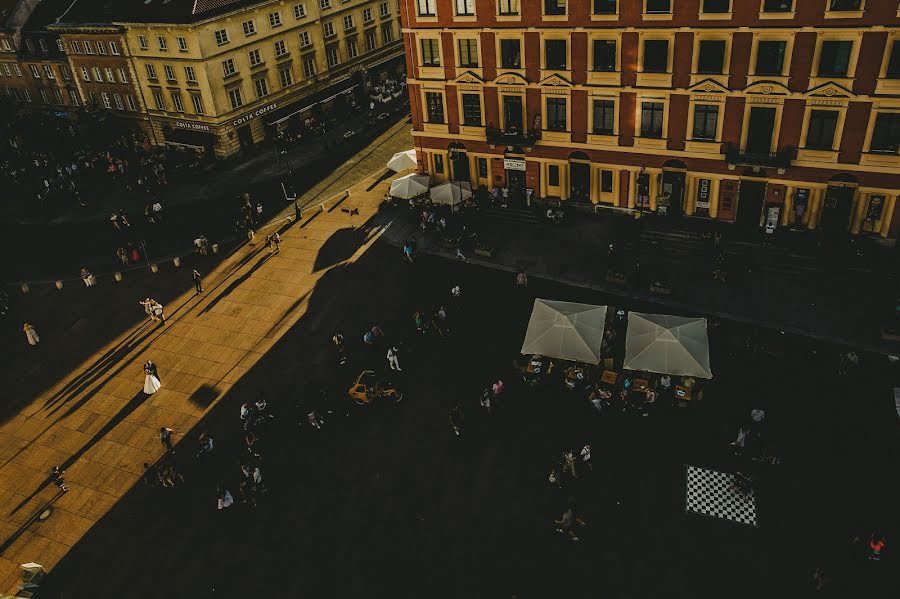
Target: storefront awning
[331, 92]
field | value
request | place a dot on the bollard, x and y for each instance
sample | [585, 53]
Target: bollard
[215, 248]
[59, 285]
[25, 288]
[118, 277]
[154, 268]
[177, 261]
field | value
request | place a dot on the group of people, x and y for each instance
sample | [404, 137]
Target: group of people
[154, 310]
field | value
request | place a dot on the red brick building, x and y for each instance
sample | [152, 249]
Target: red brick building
[784, 112]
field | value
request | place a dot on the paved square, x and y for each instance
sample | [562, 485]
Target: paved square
[710, 493]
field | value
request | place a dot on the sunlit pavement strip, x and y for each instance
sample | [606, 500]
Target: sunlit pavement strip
[100, 415]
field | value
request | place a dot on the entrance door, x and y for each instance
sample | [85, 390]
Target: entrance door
[836, 209]
[751, 196]
[512, 113]
[461, 167]
[673, 187]
[760, 129]
[580, 184]
[515, 180]
[245, 136]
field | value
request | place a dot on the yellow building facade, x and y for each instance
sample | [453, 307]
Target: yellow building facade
[230, 81]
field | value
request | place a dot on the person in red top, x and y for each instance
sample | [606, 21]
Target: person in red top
[876, 545]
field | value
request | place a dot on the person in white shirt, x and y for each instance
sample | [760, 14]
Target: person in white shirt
[392, 358]
[586, 456]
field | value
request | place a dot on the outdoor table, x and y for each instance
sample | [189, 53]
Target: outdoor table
[609, 377]
[641, 385]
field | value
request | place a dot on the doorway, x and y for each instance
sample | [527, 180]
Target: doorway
[751, 197]
[760, 129]
[836, 208]
[673, 189]
[245, 137]
[515, 181]
[460, 161]
[580, 183]
[512, 113]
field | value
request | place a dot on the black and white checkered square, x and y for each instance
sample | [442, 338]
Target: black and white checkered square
[711, 493]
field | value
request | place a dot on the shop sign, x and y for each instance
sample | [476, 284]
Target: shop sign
[703, 187]
[192, 126]
[256, 113]
[514, 164]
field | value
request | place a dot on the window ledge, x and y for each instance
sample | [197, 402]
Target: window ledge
[550, 72]
[431, 72]
[472, 130]
[776, 15]
[564, 136]
[657, 16]
[604, 78]
[435, 127]
[879, 159]
[651, 142]
[703, 146]
[782, 79]
[817, 155]
[427, 19]
[715, 16]
[605, 17]
[508, 18]
[720, 78]
[888, 86]
[601, 139]
[844, 14]
[654, 79]
[818, 80]
[555, 18]
[464, 18]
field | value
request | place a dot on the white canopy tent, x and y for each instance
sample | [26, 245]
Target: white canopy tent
[667, 345]
[409, 186]
[402, 161]
[565, 330]
[451, 193]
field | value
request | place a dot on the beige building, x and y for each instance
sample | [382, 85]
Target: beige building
[223, 75]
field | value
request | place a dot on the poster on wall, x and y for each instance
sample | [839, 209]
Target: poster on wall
[703, 187]
[728, 190]
[801, 199]
[873, 213]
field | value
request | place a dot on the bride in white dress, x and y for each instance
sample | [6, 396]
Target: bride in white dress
[151, 380]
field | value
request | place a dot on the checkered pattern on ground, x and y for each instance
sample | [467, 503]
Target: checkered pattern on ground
[711, 493]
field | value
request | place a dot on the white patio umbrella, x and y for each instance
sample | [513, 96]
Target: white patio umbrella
[667, 345]
[451, 193]
[565, 330]
[402, 161]
[409, 186]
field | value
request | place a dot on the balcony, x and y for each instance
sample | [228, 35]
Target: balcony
[735, 155]
[511, 137]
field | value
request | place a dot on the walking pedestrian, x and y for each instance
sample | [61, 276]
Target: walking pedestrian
[158, 312]
[165, 437]
[148, 307]
[392, 354]
[456, 418]
[276, 239]
[259, 209]
[569, 458]
[568, 521]
[224, 497]
[522, 280]
[57, 474]
[151, 378]
[268, 243]
[205, 445]
[198, 281]
[31, 334]
[586, 456]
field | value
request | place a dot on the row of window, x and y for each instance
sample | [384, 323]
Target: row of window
[249, 29]
[13, 70]
[29, 45]
[47, 96]
[466, 8]
[821, 127]
[102, 47]
[98, 75]
[259, 80]
[255, 56]
[711, 56]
